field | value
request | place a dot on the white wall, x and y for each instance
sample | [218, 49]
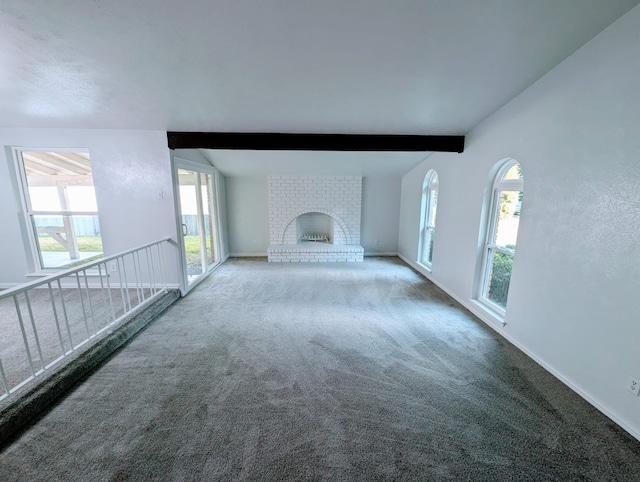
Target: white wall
[380, 215]
[248, 215]
[130, 169]
[573, 303]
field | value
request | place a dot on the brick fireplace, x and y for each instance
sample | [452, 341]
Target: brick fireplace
[314, 218]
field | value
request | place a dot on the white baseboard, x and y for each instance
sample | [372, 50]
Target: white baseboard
[497, 326]
[248, 255]
[264, 255]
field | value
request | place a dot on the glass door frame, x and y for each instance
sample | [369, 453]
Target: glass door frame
[178, 164]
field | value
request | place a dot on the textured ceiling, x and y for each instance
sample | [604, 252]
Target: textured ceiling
[330, 66]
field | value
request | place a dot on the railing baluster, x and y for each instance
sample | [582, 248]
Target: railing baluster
[113, 310]
[135, 278]
[24, 335]
[137, 269]
[104, 301]
[124, 299]
[152, 288]
[84, 310]
[3, 377]
[66, 317]
[93, 317]
[157, 284]
[126, 282]
[162, 273]
[34, 328]
[55, 316]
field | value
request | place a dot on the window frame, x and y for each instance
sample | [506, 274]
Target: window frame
[429, 211]
[215, 211]
[490, 247]
[34, 253]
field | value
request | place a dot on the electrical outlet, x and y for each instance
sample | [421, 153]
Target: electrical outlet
[113, 265]
[633, 385]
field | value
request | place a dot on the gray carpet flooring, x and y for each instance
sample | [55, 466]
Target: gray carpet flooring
[359, 371]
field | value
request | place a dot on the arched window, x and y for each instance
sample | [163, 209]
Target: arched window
[502, 234]
[428, 218]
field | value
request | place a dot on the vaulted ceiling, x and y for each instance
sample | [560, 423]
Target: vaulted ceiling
[328, 66]
[429, 67]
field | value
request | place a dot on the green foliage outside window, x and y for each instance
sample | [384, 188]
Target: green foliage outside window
[500, 277]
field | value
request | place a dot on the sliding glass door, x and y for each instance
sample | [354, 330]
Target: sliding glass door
[207, 188]
[198, 219]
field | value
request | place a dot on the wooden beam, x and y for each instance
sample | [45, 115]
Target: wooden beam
[313, 142]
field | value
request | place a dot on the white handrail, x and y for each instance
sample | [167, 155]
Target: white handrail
[41, 327]
[62, 274]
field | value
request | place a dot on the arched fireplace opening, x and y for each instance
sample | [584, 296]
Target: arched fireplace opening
[314, 227]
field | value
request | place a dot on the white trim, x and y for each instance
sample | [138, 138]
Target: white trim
[248, 255]
[381, 253]
[33, 251]
[426, 238]
[423, 266]
[64, 213]
[36, 260]
[195, 166]
[471, 304]
[498, 185]
[181, 163]
[198, 280]
[495, 323]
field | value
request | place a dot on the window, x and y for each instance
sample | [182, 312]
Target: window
[502, 234]
[428, 222]
[60, 207]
